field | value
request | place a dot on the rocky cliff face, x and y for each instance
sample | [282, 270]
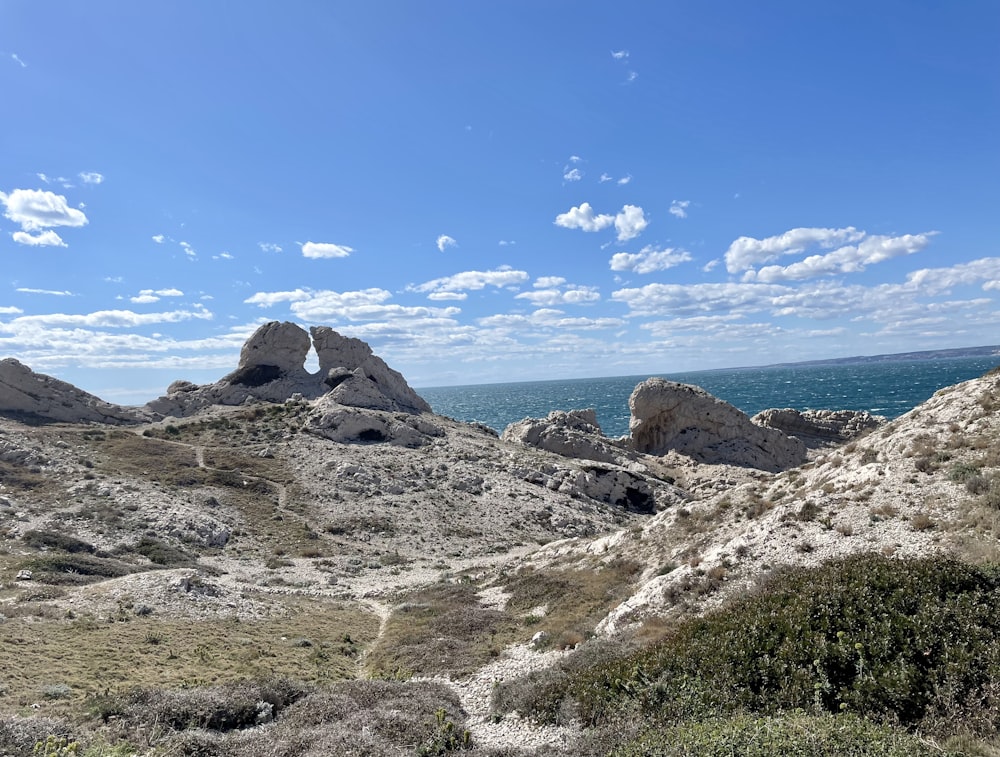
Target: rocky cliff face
[35, 396]
[819, 428]
[667, 416]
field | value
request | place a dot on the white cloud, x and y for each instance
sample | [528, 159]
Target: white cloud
[630, 222]
[18, 61]
[269, 247]
[680, 299]
[444, 241]
[847, 259]
[619, 54]
[224, 256]
[547, 318]
[547, 282]
[114, 318]
[632, 76]
[159, 238]
[363, 305]
[147, 296]
[10, 310]
[504, 276]
[933, 281]
[440, 296]
[624, 180]
[91, 177]
[325, 250]
[38, 209]
[575, 159]
[583, 217]
[188, 250]
[679, 208]
[267, 299]
[43, 177]
[747, 252]
[606, 177]
[47, 238]
[649, 259]
[572, 174]
[572, 295]
[506, 242]
[54, 292]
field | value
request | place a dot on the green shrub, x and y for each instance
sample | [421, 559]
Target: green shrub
[53, 540]
[912, 642]
[796, 734]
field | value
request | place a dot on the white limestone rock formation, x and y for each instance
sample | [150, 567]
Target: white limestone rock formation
[30, 395]
[575, 434]
[820, 428]
[668, 416]
[272, 369]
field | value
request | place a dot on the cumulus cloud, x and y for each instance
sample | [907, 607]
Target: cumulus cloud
[572, 174]
[325, 250]
[679, 208]
[630, 222]
[10, 310]
[188, 250]
[504, 276]
[549, 318]
[649, 259]
[47, 238]
[147, 296]
[363, 305]
[624, 180]
[18, 61]
[267, 299]
[932, 281]
[269, 247]
[39, 209]
[91, 177]
[547, 282]
[159, 238]
[848, 259]
[747, 252]
[583, 217]
[444, 241]
[619, 54]
[568, 295]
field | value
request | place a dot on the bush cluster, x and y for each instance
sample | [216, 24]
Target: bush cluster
[900, 642]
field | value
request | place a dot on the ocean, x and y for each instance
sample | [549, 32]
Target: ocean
[888, 388]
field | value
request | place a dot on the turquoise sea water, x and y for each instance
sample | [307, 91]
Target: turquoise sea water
[887, 388]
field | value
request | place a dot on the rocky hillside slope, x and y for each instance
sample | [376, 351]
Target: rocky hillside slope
[330, 526]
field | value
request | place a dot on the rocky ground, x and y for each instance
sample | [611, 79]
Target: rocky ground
[279, 507]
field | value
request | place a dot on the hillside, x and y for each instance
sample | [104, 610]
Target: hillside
[289, 563]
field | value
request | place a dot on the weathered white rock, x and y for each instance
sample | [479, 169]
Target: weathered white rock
[575, 434]
[820, 427]
[669, 416]
[272, 369]
[35, 395]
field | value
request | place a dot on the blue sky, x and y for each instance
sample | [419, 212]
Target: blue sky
[495, 191]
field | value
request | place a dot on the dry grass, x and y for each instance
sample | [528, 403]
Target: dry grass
[314, 641]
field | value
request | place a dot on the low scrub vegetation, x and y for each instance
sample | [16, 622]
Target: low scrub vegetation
[883, 642]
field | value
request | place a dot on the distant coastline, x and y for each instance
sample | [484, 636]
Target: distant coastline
[894, 357]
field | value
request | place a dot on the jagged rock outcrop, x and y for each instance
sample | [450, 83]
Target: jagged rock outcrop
[670, 416]
[272, 369]
[332, 420]
[575, 434]
[26, 394]
[820, 428]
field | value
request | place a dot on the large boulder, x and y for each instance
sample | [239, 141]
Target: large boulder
[575, 434]
[35, 396]
[820, 428]
[668, 416]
